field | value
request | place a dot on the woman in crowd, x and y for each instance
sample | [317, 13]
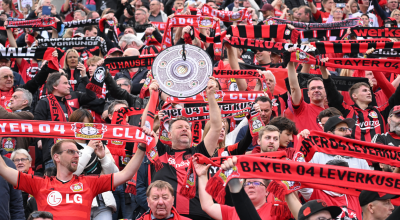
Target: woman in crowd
[75, 70]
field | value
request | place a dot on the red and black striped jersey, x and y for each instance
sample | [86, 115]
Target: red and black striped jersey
[388, 138]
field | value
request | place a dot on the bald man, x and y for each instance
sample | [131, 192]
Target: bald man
[136, 75]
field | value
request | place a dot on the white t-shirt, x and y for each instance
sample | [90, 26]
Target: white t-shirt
[322, 158]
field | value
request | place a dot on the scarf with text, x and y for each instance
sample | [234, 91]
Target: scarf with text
[256, 31]
[345, 24]
[72, 130]
[376, 32]
[360, 41]
[129, 62]
[144, 91]
[198, 114]
[36, 23]
[195, 22]
[326, 143]
[74, 42]
[385, 53]
[227, 16]
[57, 113]
[189, 189]
[388, 65]
[342, 83]
[255, 44]
[160, 25]
[329, 47]
[31, 52]
[81, 23]
[320, 176]
[220, 96]
[241, 74]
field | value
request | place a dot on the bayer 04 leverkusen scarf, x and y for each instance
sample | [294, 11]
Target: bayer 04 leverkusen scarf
[255, 44]
[376, 32]
[323, 177]
[31, 52]
[72, 130]
[326, 143]
[220, 96]
[227, 16]
[329, 47]
[388, 65]
[345, 24]
[256, 31]
[242, 74]
[189, 189]
[81, 23]
[129, 62]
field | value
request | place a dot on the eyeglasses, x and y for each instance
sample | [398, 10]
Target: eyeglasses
[123, 84]
[255, 183]
[40, 214]
[8, 76]
[71, 152]
[343, 129]
[396, 14]
[20, 160]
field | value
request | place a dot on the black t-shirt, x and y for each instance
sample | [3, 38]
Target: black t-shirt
[388, 138]
[175, 164]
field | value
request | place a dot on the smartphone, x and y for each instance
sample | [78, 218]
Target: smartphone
[340, 5]
[46, 10]
[290, 12]
[185, 7]
[80, 60]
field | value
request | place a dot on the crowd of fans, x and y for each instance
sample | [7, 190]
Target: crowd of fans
[56, 178]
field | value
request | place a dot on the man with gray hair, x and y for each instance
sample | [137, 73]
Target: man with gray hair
[20, 104]
[79, 15]
[155, 12]
[130, 41]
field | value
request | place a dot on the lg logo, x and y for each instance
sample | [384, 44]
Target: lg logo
[55, 198]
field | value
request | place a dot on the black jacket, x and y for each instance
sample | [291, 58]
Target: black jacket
[136, 86]
[11, 207]
[79, 81]
[42, 112]
[294, 3]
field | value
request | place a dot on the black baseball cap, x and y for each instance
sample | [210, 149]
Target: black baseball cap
[337, 119]
[368, 196]
[315, 206]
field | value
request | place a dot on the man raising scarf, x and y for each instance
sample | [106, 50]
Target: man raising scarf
[176, 159]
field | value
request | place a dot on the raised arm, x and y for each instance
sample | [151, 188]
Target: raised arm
[294, 84]
[8, 173]
[293, 204]
[13, 43]
[206, 201]
[233, 62]
[312, 7]
[211, 139]
[65, 6]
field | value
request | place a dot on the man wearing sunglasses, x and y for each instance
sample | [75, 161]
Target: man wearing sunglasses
[337, 125]
[66, 195]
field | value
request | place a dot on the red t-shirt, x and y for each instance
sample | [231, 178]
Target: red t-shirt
[350, 205]
[28, 70]
[321, 16]
[306, 116]
[229, 213]
[66, 201]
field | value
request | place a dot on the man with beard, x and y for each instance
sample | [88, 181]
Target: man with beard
[268, 139]
[68, 196]
[391, 138]
[337, 125]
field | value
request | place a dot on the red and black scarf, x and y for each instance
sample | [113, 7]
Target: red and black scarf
[129, 62]
[345, 24]
[376, 32]
[227, 16]
[329, 47]
[220, 96]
